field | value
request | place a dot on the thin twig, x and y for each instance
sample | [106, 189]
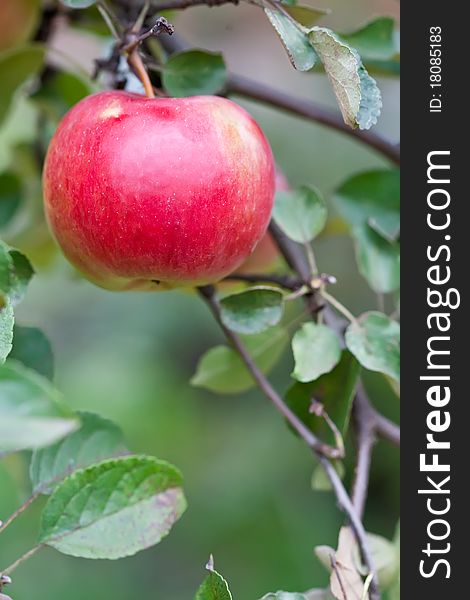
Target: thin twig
[387, 429]
[19, 511]
[139, 22]
[109, 18]
[365, 425]
[317, 408]
[292, 252]
[21, 560]
[339, 306]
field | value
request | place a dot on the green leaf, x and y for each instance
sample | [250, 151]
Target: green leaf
[32, 348]
[21, 273]
[316, 351]
[96, 440]
[371, 100]
[32, 413]
[253, 310]
[301, 214]
[221, 370]
[113, 509]
[375, 40]
[372, 197]
[10, 197]
[194, 72]
[7, 321]
[15, 273]
[305, 15]
[358, 96]
[16, 67]
[214, 586]
[284, 596]
[378, 259]
[78, 3]
[374, 339]
[294, 39]
[335, 390]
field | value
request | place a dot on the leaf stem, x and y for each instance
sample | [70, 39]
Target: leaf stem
[311, 259]
[339, 307]
[19, 511]
[21, 560]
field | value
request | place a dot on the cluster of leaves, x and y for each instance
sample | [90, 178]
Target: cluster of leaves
[103, 501]
[343, 57]
[370, 203]
[343, 565]
[308, 47]
[327, 366]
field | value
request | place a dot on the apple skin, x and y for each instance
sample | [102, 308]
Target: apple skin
[266, 253]
[148, 194]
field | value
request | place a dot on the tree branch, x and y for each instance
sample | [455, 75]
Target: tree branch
[365, 425]
[369, 424]
[255, 90]
[387, 429]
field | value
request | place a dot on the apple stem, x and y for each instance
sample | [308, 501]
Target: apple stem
[136, 63]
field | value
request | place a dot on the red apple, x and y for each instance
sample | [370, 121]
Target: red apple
[266, 252]
[157, 193]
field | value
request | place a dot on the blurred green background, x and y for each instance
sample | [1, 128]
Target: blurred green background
[129, 357]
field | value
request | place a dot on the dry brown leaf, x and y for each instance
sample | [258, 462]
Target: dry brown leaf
[345, 581]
